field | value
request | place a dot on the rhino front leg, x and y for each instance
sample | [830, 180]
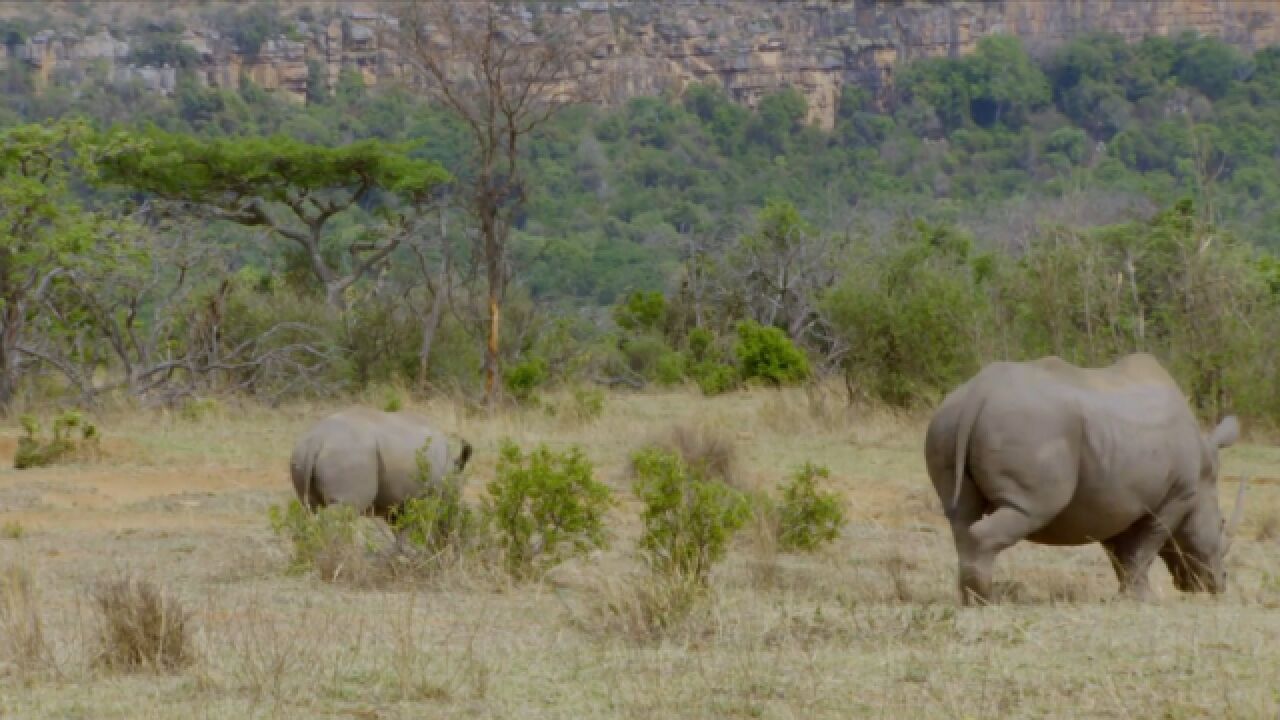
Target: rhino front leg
[1133, 551]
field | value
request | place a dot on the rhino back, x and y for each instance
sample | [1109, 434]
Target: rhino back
[399, 438]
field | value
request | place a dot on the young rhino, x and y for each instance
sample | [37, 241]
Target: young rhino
[368, 459]
[1061, 455]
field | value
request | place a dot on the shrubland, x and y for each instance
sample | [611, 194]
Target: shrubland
[950, 232]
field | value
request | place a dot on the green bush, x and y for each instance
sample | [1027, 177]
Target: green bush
[643, 353]
[766, 353]
[545, 507]
[392, 401]
[34, 451]
[715, 378]
[641, 311]
[807, 516]
[910, 315]
[699, 343]
[438, 521]
[328, 540]
[670, 368]
[688, 519]
[524, 378]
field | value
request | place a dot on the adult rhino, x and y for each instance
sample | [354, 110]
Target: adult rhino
[368, 459]
[1062, 455]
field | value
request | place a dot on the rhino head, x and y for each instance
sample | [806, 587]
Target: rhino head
[1196, 551]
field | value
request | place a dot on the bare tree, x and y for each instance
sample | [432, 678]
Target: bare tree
[151, 325]
[503, 80]
[439, 285]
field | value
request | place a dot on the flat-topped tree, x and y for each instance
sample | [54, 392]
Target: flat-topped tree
[291, 187]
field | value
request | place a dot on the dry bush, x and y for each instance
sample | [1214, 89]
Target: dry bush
[760, 543]
[24, 650]
[267, 652]
[701, 447]
[897, 566]
[1268, 527]
[425, 668]
[819, 409]
[335, 542]
[640, 607]
[142, 628]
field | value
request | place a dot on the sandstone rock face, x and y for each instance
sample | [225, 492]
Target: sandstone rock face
[646, 47]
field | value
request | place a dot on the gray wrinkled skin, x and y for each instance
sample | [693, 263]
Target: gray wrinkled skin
[1061, 455]
[368, 459]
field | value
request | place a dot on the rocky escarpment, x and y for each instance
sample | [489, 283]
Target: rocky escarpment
[751, 47]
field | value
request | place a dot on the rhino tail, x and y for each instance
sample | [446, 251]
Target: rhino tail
[968, 416]
[305, 467]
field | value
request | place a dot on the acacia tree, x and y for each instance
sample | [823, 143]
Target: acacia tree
[43, 225]
[503, 81]
[292, 188]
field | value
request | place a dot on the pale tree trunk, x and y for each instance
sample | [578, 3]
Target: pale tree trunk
[492, 371]
[431, 321]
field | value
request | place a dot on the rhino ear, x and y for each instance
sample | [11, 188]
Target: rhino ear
[1227, 432]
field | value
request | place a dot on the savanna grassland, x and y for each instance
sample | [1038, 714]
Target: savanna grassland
[866, 627]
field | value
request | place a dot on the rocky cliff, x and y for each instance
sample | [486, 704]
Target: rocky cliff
[751, 47]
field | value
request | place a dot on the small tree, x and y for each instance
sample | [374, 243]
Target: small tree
[688, 518]
[807, 516]
[43, 225]
[546, 506]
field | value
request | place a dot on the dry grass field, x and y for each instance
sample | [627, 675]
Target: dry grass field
[868, 627]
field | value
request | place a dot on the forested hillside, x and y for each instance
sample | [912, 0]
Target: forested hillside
[1105, 197]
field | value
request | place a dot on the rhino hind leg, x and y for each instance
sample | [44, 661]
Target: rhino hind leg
[979, 544]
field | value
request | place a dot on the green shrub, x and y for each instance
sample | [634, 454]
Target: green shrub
[586, 404]
[392, 401]
[715, 378]
[643, 352]
[328, 541]
[768, 354]
[807, 516]
[545, 507]
[641, 311]
[438, 521]
[670, 368]
[34, 451]
[688, 519]
[699, 342]
[197, 409]
[524, 378]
